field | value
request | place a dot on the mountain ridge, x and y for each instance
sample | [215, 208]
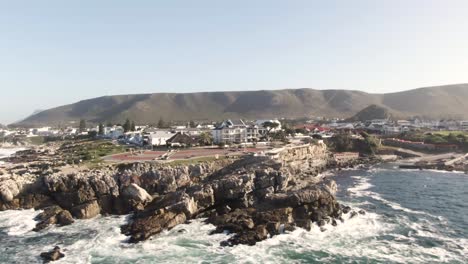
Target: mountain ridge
[448, 101]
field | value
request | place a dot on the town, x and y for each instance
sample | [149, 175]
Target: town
[191, 140]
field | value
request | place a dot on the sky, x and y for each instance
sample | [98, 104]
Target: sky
[58, 52]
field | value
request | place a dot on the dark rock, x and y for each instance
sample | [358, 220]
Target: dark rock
[52, 255]
[53, 215]
[64, 218]
[362, 212]
[321, 223]
[144, 226]
[352, 214]
[334, 223]
[345, 209]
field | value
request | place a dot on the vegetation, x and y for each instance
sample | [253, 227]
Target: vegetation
[89, 151]
[127, 126]
[344, 142]
[269, 126]
[101, 129]
[161, 123]
[205, 138]
[82, 127]
[458, 138]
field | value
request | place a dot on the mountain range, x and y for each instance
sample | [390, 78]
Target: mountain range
[449, 101]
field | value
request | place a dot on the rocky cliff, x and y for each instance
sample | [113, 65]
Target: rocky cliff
[254, 197]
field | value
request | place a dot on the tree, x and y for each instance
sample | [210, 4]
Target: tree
[82, 125]
[192, 124]
[269, 126]
[342, 142]
[101, 129]
[127, 125]
[205, 139]
[132, 126]
[161, 123]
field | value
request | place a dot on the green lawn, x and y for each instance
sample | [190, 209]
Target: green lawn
[446, 133]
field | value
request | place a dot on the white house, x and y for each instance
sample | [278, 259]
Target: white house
[464, 125]
[230, 132]
[158, 138]
[113, 132]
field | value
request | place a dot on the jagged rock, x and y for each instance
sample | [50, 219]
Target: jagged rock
[254, 197]
[346, 209]
[53, 215]
[334, 223]
[87, 210]
[65, 218]
[142, 228]
[362, 212]
[52, 255]
[352, 214]
[136, 193]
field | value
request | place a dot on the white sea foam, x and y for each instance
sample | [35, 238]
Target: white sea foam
[18, 222]
[6, 152]
[99, 240]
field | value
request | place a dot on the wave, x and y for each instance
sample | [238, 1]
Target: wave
[18, 222]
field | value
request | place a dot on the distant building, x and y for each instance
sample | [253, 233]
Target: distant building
[114, 132]
[230, 132]
[158, 138]
[464, 125]
[180, 140]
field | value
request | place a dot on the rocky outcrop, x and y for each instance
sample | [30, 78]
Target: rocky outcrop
[53, 215]
[255, 197]
[52, 255]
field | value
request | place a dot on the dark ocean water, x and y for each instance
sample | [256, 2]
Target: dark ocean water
[412, 217]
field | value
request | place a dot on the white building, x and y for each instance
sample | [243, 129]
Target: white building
[464, 125]
[158, 138]
[237, 131]
[113, 132]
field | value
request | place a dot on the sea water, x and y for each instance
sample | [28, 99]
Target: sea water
[411, 217]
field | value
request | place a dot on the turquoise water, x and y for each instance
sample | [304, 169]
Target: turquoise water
[412, 217]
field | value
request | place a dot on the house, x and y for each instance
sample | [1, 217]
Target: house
[230, 132]
[113, 132]
[391, 130]
[180, 140]
[135, 138]
[464, 125]
[157, 137]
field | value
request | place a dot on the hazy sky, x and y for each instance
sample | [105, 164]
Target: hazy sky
[59, 52]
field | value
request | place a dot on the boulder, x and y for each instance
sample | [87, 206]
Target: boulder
[53, 215]
[145, 226]
[87, 210]
[64, 218]
[52, 255]
[136, 193]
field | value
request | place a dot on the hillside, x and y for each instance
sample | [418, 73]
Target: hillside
[433, 102]
[371, 112]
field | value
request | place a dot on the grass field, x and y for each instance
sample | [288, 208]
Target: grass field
[446, 133]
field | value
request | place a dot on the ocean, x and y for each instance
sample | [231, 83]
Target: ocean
[411, 217]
